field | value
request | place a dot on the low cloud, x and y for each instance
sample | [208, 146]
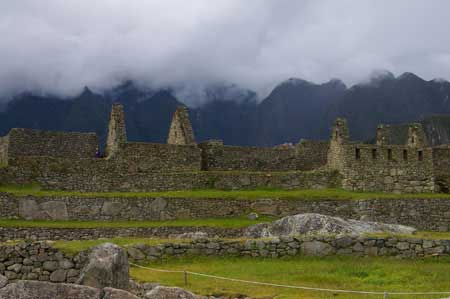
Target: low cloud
[59, 47]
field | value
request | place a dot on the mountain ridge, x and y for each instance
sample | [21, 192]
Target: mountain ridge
[294, 109]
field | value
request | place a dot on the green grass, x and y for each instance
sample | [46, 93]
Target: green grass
[74, 247]
[374, 274]
[236, 222]
[335, 194]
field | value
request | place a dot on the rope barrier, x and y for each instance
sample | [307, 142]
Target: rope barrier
[291, 286]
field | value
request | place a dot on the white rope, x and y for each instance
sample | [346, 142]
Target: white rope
[291, 286]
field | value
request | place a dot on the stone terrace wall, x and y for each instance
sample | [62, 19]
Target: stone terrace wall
[142, 157]
[126, 175]
[312, 154]
[174, 232]
[39, 261]
[289, 246]
[387, 168]
[4, 143]
[441, 163]
[307, 155]
[28, 142]
[423, 214]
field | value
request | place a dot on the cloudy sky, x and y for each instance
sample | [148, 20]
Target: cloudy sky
[60, 46]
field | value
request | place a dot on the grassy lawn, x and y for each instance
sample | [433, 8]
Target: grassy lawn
[74, 247]
[336, 194]
[373, 274]
[236, 222]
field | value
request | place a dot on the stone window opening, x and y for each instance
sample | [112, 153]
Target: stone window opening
[357, 153]
[405, 155]
[420, 155]
[389, 153]
[374, 153]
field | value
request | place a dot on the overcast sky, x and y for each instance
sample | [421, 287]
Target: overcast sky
[60, 46]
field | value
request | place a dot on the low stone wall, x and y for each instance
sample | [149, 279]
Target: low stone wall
[307, 155]
[423, 214]
[42, 234]
[131, 174]
[4, 144]
[29, 142]
[289, 246]
[39, 261]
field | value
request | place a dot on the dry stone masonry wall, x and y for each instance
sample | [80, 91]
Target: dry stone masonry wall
[68, 161]
[291, 246]
[423, 214]
[27, 142]
[392, 168]
[307, 155]
[39, 261]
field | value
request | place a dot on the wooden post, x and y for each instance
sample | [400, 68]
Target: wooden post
[185, 278]
[386, 295]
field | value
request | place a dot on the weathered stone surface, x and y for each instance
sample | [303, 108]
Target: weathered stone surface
[58, 275]
[107, 267]
[316, 248]
[55, 210]
[110, 293]
[3, 281]
[169, 293]
[27, 289]
[181, 129]
[112, 208]
[29, 209]
[313, 224]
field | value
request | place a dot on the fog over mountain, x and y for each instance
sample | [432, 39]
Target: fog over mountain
[294, 109]
[57, 47]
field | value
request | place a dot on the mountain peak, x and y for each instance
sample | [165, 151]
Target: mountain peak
[336, 83]
[409, 76]
[295, 82]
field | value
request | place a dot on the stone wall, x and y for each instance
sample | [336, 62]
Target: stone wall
[173, 232]
[129, 174]
[180, 131]
[381, 167]
[28, 142]
[136, 157]
[441, 164]
[4, 144]
[39, 261]
[307, 155]
[423, 214]
[290, 246]
[312, 154]
[388, 168]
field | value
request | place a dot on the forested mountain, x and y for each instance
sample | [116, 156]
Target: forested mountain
[295, 109]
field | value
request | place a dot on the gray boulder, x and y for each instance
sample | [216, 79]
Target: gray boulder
[3, 281]
[28, 289]
[107, 267]
[55, 210]
[316, 248]
[110, 293]
[169, 293]
[317, 224]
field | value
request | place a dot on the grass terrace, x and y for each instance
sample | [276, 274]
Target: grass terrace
[369, 274]
[306, 194]
[236, 222]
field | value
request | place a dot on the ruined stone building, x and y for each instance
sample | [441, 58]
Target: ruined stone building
[67, 160]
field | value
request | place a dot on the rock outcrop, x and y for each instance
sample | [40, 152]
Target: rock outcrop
[317, 224]
[161, 292]
[107, 267]
[3, 281]
[27, 289]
